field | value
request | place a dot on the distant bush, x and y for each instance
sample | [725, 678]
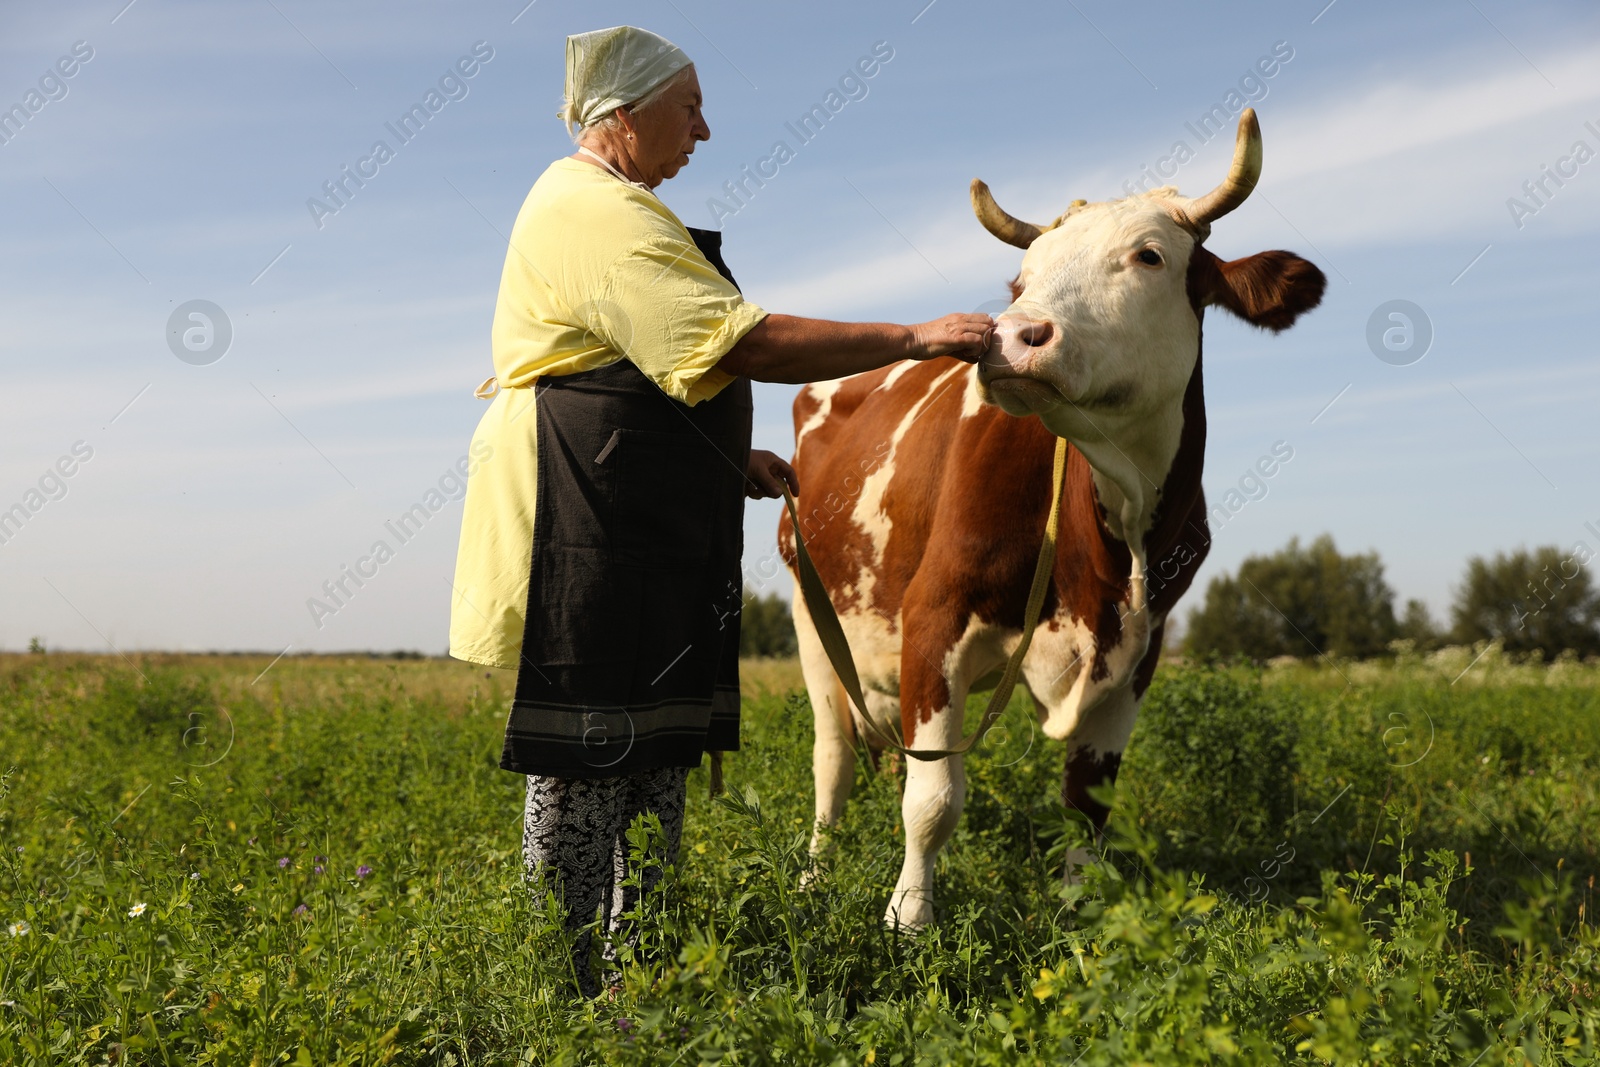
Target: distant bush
[766, 627]
[1540, 601]
[1418, 627]
[1215, 759]
[1297, 602]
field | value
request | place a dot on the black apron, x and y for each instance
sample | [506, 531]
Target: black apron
[630, 653]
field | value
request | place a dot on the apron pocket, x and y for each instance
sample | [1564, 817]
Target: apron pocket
[668, 490]
[580, 614]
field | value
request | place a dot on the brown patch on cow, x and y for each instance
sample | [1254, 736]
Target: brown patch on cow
[1084, 771]
[1268, 289]
[806, 404]
[835, 460]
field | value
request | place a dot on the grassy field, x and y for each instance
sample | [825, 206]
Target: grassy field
[1345, 863]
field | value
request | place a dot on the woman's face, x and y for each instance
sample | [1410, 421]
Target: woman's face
[665, 133]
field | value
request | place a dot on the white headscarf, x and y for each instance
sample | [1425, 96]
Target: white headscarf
[607, 69]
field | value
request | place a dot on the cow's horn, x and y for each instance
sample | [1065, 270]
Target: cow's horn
[1241, 179]
[1011, 230]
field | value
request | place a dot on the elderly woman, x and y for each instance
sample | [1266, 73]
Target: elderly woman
[602, 530]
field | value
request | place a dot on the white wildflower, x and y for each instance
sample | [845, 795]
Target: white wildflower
[137, 910]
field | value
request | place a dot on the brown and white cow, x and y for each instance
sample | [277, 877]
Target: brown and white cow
[924, 492]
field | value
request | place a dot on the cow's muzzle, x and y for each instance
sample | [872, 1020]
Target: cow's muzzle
[1020, 369]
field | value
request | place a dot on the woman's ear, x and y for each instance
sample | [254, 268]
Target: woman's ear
[630, 125]
[1268, 289]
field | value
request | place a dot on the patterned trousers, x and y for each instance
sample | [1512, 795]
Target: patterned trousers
[575, 829]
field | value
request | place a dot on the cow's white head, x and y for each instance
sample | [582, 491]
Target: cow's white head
[1103, 332]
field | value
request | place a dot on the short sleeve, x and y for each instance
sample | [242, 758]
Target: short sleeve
[665, 308]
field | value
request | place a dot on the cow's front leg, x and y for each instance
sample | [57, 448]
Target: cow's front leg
[1094, 755]
[932, 807]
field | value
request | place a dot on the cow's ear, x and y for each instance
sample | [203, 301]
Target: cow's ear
[1268, 289]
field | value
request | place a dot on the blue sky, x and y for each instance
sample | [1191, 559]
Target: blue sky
[175, 164]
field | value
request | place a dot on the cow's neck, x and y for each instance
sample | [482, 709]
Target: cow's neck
[1151, 477]
[1130, 456]
[1128, 475]
[1142, 468]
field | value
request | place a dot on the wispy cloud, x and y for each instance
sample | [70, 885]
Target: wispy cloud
[1428, 154]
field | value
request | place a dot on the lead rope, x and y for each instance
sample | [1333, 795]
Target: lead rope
[831, 633]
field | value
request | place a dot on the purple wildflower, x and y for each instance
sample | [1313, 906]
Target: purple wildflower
[301, 910]
[317, 869]
[283, 861]
[363, 870]
[624, 1025]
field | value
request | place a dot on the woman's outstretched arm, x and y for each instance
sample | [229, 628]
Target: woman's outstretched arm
[787, 348]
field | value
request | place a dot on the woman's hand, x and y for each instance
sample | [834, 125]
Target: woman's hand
[965, 336]
[765, 474]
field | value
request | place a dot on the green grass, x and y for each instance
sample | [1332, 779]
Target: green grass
[1289, 879]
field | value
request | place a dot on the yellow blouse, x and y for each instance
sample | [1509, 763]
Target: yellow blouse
[598, 270]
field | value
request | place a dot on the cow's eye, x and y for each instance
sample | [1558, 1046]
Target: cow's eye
[1149, 257]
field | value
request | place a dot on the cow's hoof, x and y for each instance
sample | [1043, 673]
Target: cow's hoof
[903, 928]
[813, 876]
[1077, 860]
[908, 911]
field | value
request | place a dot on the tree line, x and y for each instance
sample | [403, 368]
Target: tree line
[1305, 600]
